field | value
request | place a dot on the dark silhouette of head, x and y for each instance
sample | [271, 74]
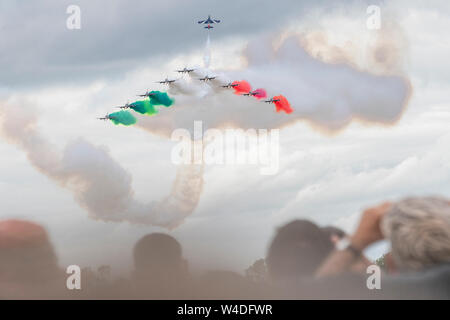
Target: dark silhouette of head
[158, 252]
[160, 269]
[26, 254]
[297, 250]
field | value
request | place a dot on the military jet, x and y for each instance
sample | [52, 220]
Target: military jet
[209, 21]
[146, 94]
[105, 118]
[272, 100]
[230, 85]
[251, 93]
[127, 105]
[166, 81]
[185, 70]
[207, 78]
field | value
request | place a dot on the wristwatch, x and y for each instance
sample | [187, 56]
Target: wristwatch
[345, 244]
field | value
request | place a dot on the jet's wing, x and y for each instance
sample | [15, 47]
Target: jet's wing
[201, 21]
[217, 21]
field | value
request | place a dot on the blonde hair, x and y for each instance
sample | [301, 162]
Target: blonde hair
[419, 232]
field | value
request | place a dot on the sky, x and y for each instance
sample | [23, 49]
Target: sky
[70, 77]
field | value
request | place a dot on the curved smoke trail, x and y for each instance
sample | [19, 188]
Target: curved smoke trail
[100, 184]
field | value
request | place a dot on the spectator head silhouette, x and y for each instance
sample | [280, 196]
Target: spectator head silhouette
[158, 253]
[297, 250]
[26, 254]
[160, 270]
[419, 232]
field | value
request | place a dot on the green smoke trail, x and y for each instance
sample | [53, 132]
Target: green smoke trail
[122, 117]
[161, 98]
[144, 107]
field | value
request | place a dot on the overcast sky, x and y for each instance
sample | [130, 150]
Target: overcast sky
[73, 76]
[119, 35]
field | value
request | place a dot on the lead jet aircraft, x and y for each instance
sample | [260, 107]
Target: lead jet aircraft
[209, 21]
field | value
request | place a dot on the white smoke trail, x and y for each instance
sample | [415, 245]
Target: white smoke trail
[328, 95]
[98, 182]
[207, 54]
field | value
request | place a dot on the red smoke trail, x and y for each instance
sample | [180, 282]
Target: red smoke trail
[242, 87]
[259, 93]
[282, 104]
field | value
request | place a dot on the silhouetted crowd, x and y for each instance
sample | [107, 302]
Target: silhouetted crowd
[303, 261]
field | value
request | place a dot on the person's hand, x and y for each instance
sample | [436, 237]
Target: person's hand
[369, 230]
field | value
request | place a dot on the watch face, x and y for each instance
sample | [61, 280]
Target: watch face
[342, 244]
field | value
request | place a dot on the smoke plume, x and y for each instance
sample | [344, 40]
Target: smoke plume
[122, 117]
[99, 184]
[144, 107]
[328, 95]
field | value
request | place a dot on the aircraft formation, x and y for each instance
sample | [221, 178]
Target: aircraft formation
[153, 99]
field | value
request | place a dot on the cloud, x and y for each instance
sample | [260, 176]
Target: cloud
[345, 189]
